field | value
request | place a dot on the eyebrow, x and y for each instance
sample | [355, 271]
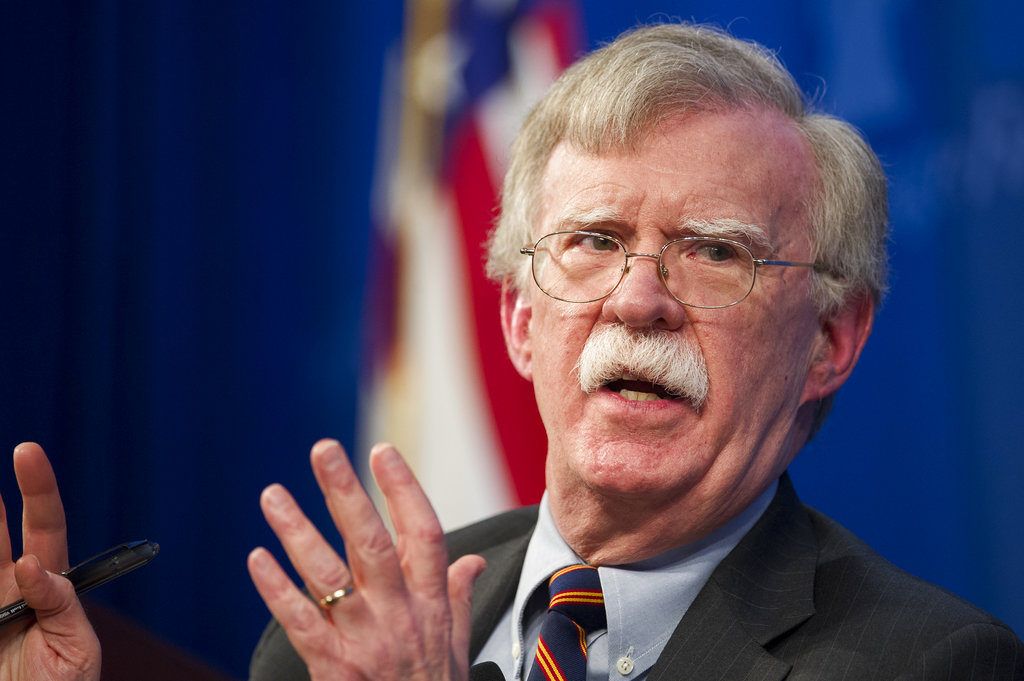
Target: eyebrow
[729, 229]
[726, 228]
[599, 215]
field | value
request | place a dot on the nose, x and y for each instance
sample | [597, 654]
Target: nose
[641, 299]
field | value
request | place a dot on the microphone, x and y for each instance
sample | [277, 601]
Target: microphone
[486, 671]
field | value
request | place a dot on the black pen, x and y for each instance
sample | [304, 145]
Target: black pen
[91, 573]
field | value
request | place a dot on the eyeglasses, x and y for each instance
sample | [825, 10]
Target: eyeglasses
[581, 267]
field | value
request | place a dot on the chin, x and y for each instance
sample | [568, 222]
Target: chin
[632, 470]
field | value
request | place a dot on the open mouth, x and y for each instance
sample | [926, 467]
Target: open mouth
[638, 390]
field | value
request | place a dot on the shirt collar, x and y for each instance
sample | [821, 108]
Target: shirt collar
[644, 600]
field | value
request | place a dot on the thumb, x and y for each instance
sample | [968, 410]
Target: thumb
[58, 610]
[462, 574]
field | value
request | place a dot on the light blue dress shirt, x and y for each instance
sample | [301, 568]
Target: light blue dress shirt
[644, 601]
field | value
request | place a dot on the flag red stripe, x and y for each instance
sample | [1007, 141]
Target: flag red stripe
[563, 24]
[513, 408]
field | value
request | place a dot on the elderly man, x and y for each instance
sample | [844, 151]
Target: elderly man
[690, 263]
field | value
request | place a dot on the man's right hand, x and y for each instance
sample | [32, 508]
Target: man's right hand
[58, 644]
[400, 612]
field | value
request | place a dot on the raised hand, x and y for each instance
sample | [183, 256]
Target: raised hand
[58, 644]
[401, 612]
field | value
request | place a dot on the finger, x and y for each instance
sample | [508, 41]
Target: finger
[57, 608]
[368, 546]
[422, 549]
[317, 563]
[43, 528]
[311, 634]
[5, 536]
[462, 575]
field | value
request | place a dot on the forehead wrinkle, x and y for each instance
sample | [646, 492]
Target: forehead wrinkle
[728, 228]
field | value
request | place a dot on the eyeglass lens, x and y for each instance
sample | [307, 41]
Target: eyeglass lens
[580, 267]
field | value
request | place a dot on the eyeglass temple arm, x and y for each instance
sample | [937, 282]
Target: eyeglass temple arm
[817, 267]
[527, 250]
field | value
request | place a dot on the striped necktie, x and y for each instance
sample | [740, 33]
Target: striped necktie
[576, 609]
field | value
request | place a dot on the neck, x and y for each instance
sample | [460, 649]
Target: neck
[606, 530]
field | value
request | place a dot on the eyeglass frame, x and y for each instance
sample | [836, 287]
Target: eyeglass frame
[662, 270]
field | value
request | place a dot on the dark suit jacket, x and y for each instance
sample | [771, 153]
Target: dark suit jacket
[799, 598]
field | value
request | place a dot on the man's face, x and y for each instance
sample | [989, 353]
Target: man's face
[743, 167]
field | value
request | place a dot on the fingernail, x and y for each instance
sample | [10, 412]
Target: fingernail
[386, 452]
[331, 461]
[259, 559]
[329, 454]
[325, 445]
[275, 496]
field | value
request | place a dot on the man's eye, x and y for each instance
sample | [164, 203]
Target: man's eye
[597, 243]
[716, 252]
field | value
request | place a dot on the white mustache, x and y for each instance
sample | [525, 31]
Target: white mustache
[659, 357]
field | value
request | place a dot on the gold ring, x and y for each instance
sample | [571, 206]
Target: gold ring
[331, 599]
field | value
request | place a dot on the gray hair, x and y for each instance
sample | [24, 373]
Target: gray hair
[610, 99]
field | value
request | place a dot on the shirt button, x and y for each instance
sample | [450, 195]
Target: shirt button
[624, 666]
[515, 651]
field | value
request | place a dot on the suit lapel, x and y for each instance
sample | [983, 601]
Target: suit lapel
[496, 587]
[762, 589]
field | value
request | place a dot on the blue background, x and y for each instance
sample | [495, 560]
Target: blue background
[184, 212]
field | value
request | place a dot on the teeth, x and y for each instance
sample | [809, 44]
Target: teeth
[637, 396]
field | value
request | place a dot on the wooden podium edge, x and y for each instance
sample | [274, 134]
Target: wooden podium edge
[132, 653]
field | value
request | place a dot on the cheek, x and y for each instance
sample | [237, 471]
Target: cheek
[558, 333]
[751, 358]
[557, 338]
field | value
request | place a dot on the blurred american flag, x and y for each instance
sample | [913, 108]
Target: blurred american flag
[438, 383]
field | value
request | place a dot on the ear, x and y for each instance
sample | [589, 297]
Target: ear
[843, 335]
[516, 312]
